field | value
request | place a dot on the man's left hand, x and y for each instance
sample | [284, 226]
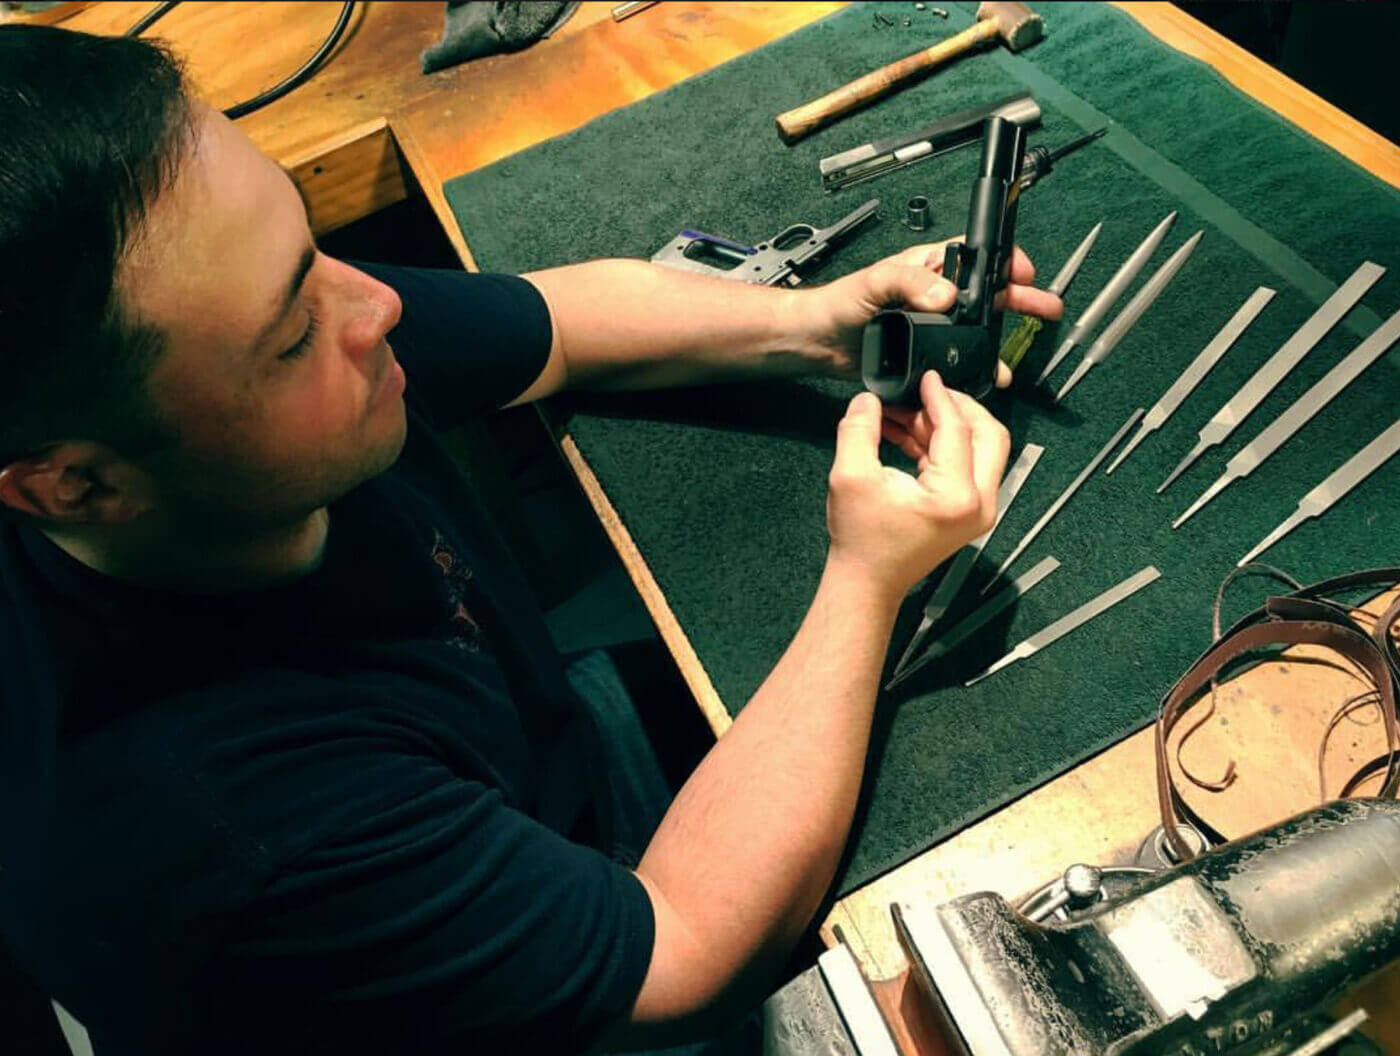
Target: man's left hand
[834, 316]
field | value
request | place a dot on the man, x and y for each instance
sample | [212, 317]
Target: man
[290, 764]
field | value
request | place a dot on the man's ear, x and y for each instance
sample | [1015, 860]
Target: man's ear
[71, 484]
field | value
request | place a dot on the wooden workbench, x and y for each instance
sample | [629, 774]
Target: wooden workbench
[332, 132]
[369, 125]
[1100, 811]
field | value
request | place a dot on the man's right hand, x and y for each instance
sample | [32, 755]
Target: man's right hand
[745, 855]
[891, 527]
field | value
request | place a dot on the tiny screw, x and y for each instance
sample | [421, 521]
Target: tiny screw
[939, 12]
[906, 23]
[919, 7]
[952, 356]
[1083, 884]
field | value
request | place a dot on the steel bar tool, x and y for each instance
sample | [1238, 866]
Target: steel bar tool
[1277, 433]
[1065, 496]
[1192, 376]
[1071, 621]
[975, 621]
[1290, 353]
[1332, 490]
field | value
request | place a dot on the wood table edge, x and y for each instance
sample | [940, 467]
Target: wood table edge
[1287, 98]
[692, 670]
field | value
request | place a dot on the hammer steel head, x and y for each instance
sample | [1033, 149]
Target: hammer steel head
[1017, 25]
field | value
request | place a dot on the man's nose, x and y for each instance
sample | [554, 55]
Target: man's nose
[375, 311]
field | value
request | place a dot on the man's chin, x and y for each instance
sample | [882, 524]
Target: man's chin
[392, 445]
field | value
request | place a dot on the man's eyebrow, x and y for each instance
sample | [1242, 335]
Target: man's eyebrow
[293, 290]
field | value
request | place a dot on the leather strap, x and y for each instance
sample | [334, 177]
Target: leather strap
[1305, 617]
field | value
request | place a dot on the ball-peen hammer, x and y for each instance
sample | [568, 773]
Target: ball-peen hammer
[1015, 25]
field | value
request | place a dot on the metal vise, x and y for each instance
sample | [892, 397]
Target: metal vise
[1232, 952]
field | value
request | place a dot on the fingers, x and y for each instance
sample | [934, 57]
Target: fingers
[904, 278]
[1022, 270]
[858, 438]
[991, 443]
[956, 438]
[913, 422]
[1030, 301]
[925, 255]
[950, 446]
[891, 282]
[916, 422]
[899, 436]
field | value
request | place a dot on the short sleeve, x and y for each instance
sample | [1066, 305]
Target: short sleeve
[469, 342]
[446, 923]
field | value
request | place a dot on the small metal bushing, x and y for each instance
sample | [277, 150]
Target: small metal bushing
[1157, 853]
[916, 213]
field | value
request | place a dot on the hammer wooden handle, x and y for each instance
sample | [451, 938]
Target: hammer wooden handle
[807, 118]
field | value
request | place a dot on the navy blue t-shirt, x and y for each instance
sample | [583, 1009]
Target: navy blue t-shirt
[346, 815]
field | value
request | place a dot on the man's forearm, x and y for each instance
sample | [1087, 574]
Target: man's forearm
[631, 324]
[747, 851]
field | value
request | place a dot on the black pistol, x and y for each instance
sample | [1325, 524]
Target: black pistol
[899, 346]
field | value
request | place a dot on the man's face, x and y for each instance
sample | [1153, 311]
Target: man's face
[276, 372]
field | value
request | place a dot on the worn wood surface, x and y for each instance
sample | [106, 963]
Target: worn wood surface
[332, 132]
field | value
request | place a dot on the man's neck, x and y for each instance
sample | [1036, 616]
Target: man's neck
[204, 562]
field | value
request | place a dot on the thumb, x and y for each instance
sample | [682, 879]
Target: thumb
[917, 288]
[858, 438]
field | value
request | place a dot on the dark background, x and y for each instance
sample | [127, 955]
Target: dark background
[1333, 48]
[1341, 49]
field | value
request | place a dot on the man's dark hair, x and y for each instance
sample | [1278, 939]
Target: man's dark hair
[92, 130]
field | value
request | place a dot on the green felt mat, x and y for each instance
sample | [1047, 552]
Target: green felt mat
[723, 489]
